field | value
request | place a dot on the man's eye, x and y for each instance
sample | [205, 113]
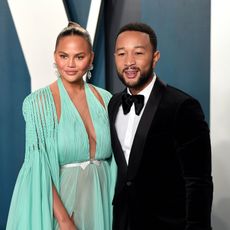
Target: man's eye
[80, 57]
[139, 53]
[120, 54]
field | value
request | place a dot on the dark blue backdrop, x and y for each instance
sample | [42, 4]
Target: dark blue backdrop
[15, 85]
[183, 29]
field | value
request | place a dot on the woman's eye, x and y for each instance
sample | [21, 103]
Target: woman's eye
[80, 57]
[139, 53]
[62, 56]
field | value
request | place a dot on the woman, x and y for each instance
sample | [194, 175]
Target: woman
[67, 179]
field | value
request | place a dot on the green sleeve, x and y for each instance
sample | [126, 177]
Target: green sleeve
[32, 204]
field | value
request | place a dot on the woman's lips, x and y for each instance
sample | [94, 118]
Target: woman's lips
[71, 72]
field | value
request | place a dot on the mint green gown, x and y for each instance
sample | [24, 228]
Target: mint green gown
[57, 152]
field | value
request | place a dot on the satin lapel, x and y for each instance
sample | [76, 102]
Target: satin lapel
[143, 128]
[117, 149]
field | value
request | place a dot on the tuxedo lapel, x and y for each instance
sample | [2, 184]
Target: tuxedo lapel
[118, 152]
[143, 128]
[119, 155]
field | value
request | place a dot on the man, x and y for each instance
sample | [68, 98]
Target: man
[162, 149]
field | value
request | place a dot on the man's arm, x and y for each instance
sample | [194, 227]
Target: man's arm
[194, 152]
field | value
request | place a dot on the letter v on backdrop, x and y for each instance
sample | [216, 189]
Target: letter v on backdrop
[37, 24]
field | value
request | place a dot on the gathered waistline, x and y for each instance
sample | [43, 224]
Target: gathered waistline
[83, 164]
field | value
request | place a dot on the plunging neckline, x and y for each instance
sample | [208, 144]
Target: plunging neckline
[78, 115]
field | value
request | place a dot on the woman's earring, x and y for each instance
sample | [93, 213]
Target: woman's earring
[89, 75]
[56, 70]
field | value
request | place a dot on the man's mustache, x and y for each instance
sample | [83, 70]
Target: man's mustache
[131, 68]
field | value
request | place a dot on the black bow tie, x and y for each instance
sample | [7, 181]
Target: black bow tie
[128, 100]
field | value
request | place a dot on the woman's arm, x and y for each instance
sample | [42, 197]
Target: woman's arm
[64, 220]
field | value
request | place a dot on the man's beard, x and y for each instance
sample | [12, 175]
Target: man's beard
[143, 79]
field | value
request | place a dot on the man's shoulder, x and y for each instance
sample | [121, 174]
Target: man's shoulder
[177, 94]
[176, 98]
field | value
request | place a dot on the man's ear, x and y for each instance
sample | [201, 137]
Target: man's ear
[156, 57]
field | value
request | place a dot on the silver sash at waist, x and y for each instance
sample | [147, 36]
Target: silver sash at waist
[83, 164]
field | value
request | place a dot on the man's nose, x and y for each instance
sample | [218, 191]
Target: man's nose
[130, 60]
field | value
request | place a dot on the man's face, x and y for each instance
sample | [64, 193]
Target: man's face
[135, 59]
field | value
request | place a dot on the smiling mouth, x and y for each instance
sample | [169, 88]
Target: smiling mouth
[131, 72]
[70, 72]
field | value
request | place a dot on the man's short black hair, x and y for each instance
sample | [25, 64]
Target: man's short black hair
[141, 27]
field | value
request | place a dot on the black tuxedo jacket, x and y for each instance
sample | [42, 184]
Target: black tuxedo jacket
[167, 184]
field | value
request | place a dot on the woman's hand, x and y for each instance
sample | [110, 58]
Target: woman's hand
[68, 225]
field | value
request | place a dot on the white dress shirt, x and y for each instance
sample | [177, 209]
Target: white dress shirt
[126, 125]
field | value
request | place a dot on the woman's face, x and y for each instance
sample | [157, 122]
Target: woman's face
[73, 58]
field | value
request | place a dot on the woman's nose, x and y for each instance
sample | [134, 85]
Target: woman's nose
[71, 62]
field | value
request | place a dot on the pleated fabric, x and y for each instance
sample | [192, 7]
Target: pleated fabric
[50, 144]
